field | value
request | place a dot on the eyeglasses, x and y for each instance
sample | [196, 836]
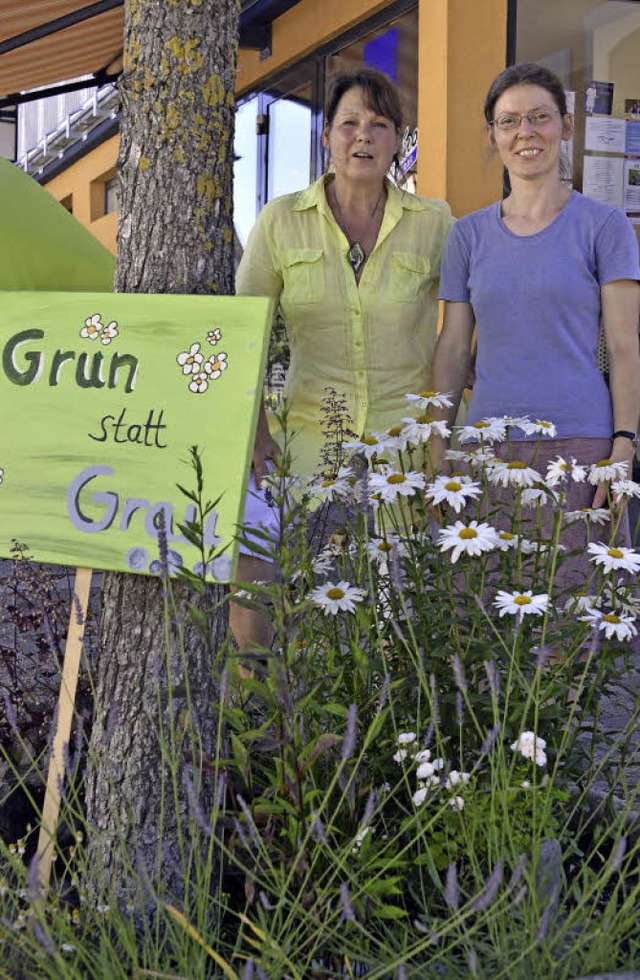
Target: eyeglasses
[538, 118]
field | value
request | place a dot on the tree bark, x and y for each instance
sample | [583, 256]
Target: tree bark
[175, 236]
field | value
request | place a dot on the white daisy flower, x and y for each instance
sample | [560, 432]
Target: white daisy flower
[561, 470]
[324, 562]
[368, 446]
[521, 604]
[379, 549]
[531, 747]
[332, 488]
[625, 490]
[615, 627]
[470, 539]
[507, 541]
[391, 484]
[539, 427]
[336, 597]
[487, 430]
[514, 473]
[619, 598]
[590, 515]
[528, 547]
[581, 602]
[213, 336]
[216, 365]
[418, 431]
[453, 490]
[190, 360]
[109, 333]
[607, 470]
[613, 558]
[429, 399]
[199, 384]
[536, 496]
[513, 421]
[93, 327]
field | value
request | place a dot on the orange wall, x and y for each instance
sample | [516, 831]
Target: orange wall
[77, 181]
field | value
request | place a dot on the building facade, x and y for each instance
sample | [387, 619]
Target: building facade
[442, 54]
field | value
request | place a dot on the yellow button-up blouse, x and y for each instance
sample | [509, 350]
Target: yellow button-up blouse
[373, 340]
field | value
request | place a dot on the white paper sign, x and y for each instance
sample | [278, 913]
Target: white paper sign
[632, 185]
[602, 179]
[605, 133]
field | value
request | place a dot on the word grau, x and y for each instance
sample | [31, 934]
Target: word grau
[89, 367]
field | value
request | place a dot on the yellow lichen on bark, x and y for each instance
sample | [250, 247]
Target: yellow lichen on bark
[213, 90]
[178, 156]
[130, 55]
[186, 52]
[144, 163]
[226, 234]
[209, 188]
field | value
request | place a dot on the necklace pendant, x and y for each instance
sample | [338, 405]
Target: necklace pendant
[357, 255]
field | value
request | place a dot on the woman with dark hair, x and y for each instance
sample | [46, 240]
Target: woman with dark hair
[353, 263]
[535, 275]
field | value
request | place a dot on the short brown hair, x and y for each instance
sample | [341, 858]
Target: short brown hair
[526, 73]
[380, 94]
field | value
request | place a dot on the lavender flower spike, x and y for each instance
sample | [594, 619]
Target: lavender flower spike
[451, 889]
[349, 740]
[491, 888]
[458, 673]
[347, 907]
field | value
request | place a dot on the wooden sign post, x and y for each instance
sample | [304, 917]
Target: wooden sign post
[101, 398]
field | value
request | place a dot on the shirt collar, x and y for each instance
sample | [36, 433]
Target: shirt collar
[397, 200]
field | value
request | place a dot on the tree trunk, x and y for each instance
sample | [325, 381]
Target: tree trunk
[175, 236]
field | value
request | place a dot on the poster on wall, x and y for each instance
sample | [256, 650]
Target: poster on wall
[598, 98]
[602, 179]
[101, 398]
[632, 138]
[632, 185]
[605, 135]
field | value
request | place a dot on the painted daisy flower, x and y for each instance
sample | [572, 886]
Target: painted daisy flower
[429, 399]
[607, 470]
[368, 446]
[521, 604]
[109, 333]
[590, 515]
[216, 365]
[391, 484]
[612, 557]
[336, 597]
[453, 490]
[199, 384]
[470, 539]
[213, 336]
[514, 473]
[93, 327]
[625, 489]
[190, 360]
[420, 430]
[539, 427]
[1, 475]
[561, 470]
[531, 746]
[614, 626]
[487, 430]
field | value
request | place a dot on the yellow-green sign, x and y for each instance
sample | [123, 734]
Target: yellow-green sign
[101, 397]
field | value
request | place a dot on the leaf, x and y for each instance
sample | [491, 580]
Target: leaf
[224, 966]
[390, 912]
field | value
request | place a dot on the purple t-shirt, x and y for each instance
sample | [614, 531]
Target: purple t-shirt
[536, 301]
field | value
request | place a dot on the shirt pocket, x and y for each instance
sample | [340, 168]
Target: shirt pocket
[408, 275]
[303, 275]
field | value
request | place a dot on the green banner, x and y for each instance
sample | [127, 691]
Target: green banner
[101, 396]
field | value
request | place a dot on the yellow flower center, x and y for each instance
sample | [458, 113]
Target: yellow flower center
[506, 536]
[427, 394]
[384, 546]
[335, 593]
[453, 485]
[424, 419]
[382, 460]
[516, 464]
[611, 618]
[467, 533]
[522, 600]
[603, 462]
[327, 483]
[615, 553]
[396, 478]
[370, 441]
[395, 430]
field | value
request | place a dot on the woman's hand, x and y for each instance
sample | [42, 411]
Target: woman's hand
[265, 447]
[621, 452]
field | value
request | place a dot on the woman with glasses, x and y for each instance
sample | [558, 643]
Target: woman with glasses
[534, 275]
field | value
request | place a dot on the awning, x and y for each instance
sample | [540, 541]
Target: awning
[46, 42]
[43, 42]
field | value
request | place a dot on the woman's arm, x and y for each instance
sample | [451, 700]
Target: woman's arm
[621, 317]
[451, 370]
